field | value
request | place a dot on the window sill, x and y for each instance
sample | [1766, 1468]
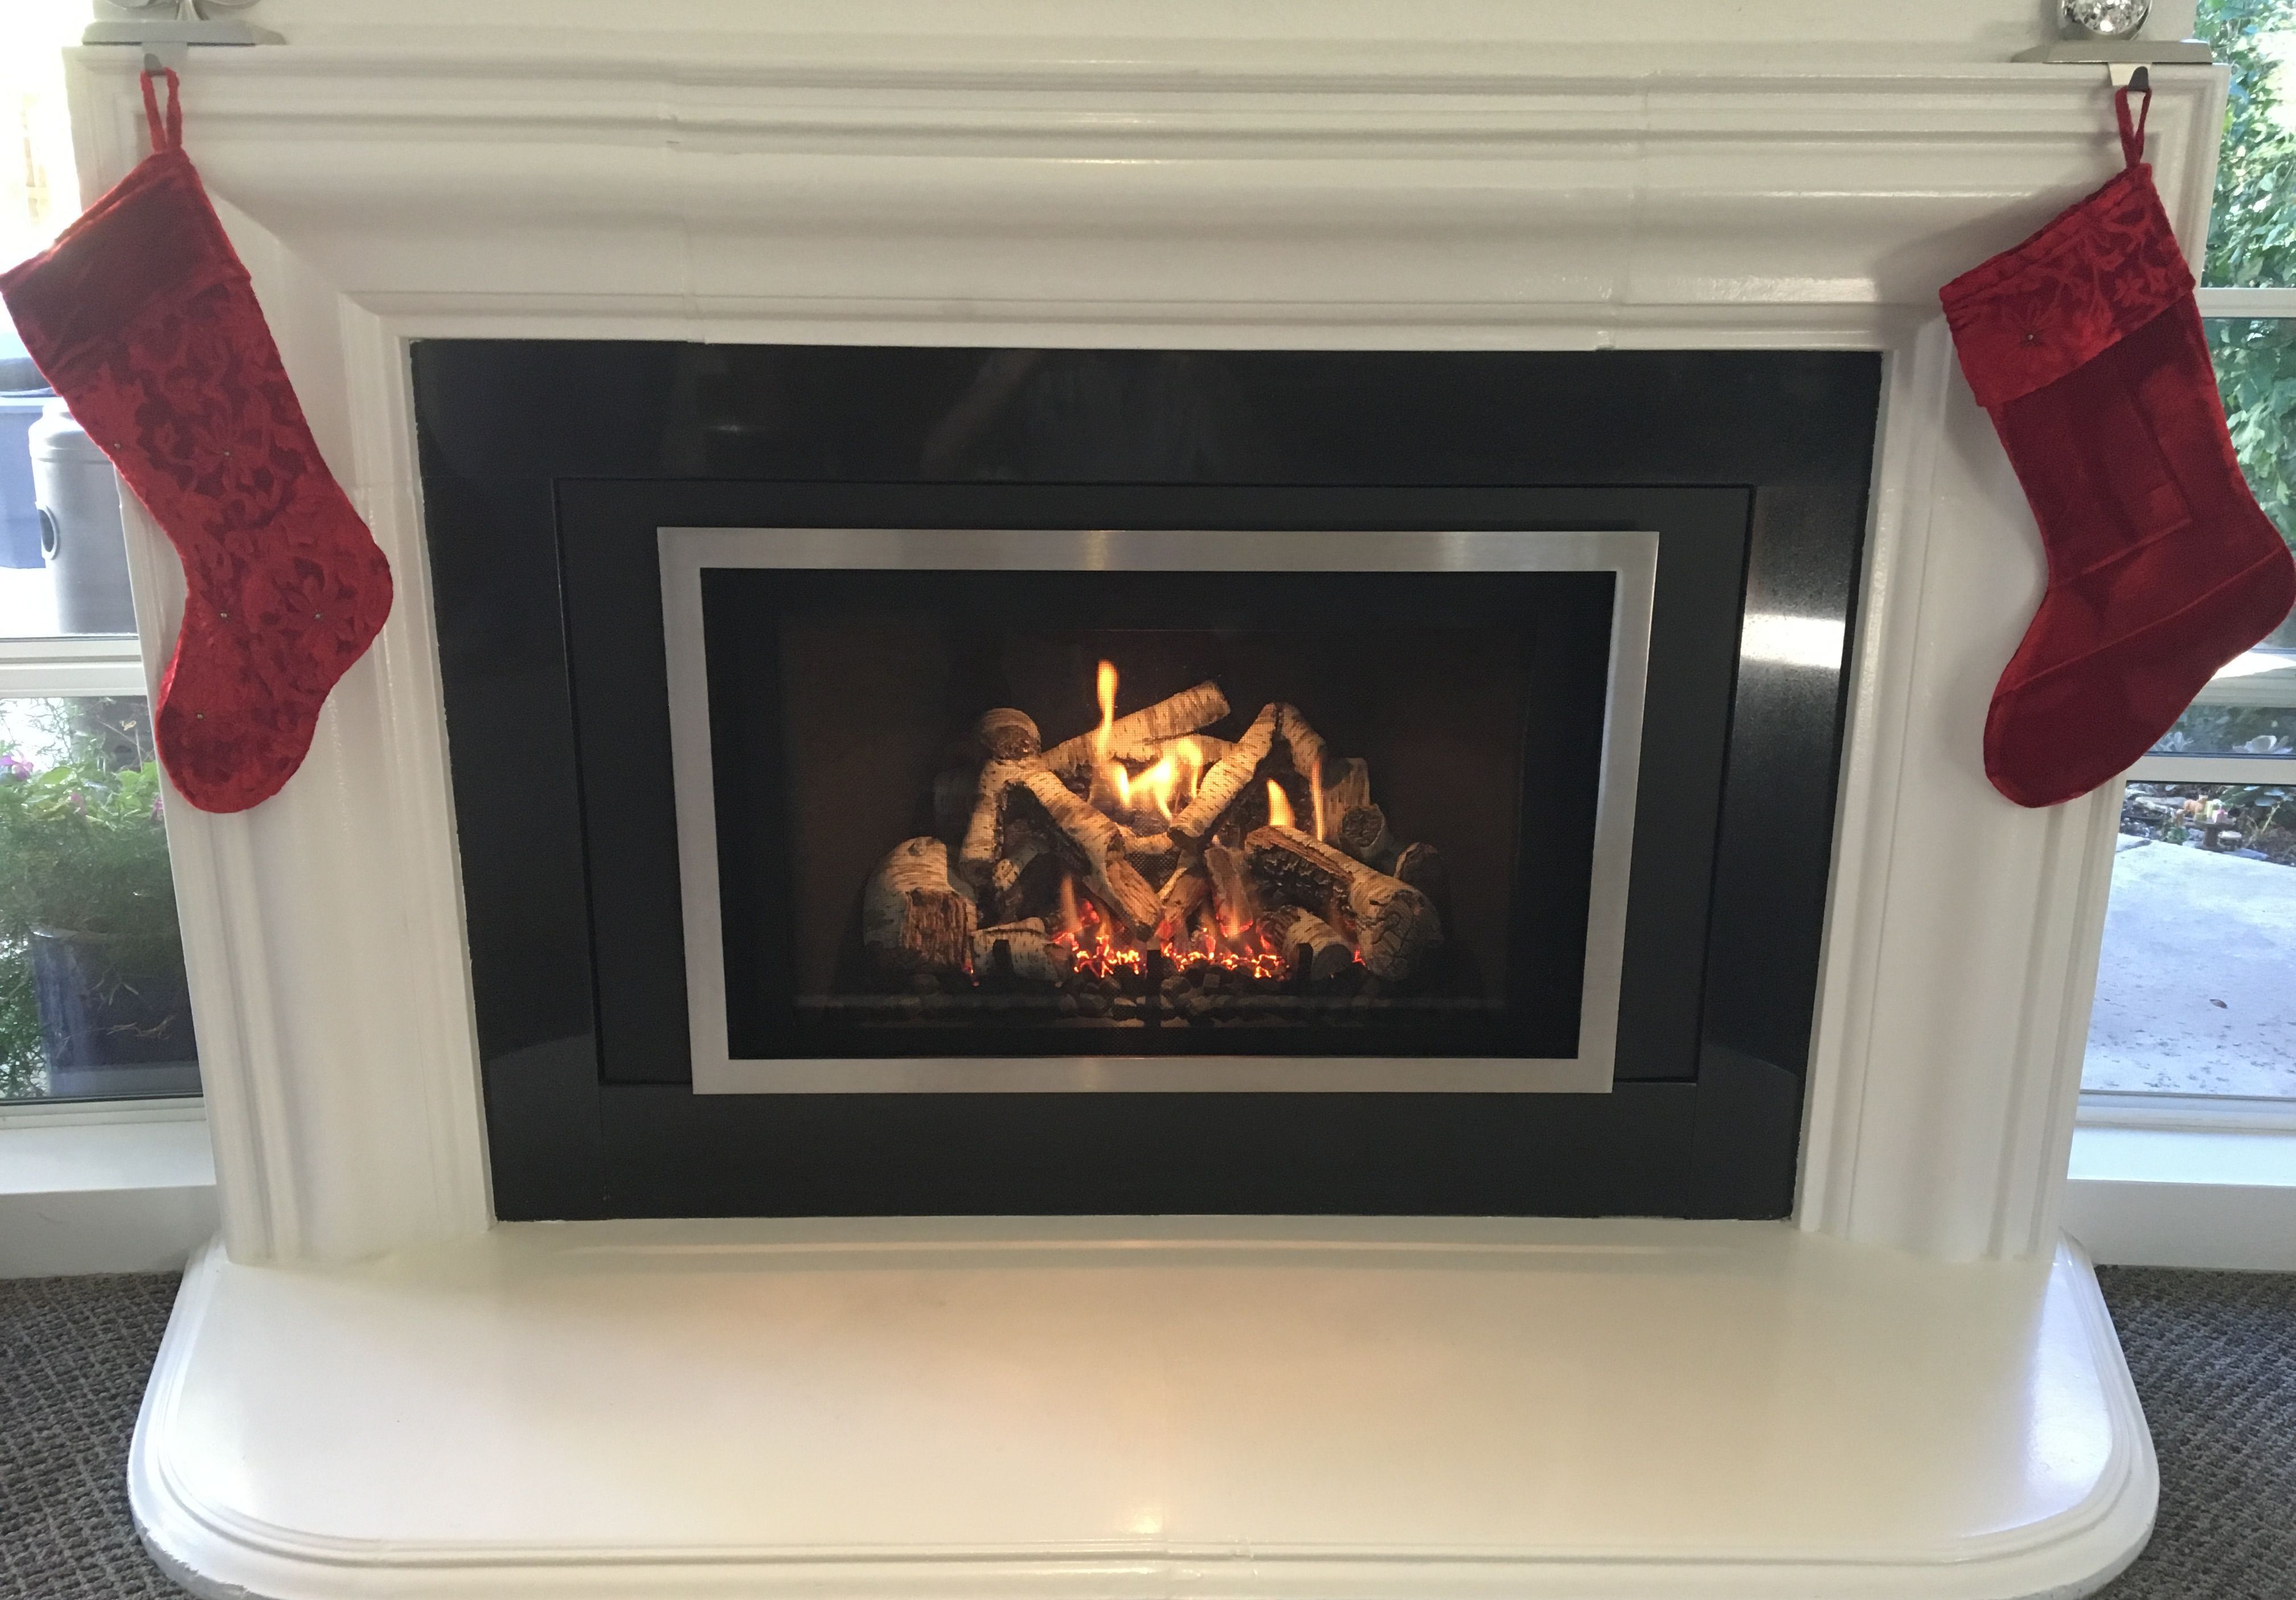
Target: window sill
[2170, 1193]
[105, 1189]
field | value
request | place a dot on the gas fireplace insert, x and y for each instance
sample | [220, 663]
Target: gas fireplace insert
[915, 781]
[1319, 810]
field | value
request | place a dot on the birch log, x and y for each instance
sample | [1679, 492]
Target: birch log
[913, 919]
[1293, 931]
[1228, 780]
[1034, 956]
[1302, 743]
[1112, 880]
[1233, 902]
[1026, 878]
[984, 835]
[1006, 734]
[1135, 738]
[1421, 865]
[1362, 833]
[1185, 890]
[1347, 785]
[1396, 927]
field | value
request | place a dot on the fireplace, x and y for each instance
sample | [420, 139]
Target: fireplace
[1488, 271]
[1331, 783]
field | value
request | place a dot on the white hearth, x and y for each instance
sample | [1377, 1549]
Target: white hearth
[1911, 1389]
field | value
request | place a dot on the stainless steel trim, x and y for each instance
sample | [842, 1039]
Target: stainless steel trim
[686, 552]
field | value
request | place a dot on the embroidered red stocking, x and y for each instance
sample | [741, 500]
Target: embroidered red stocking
[142, 319]
[2085, 346]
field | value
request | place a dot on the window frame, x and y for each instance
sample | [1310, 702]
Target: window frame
[2132, 1108]
[2148, 1182]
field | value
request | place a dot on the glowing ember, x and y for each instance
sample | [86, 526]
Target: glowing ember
[1102, 952]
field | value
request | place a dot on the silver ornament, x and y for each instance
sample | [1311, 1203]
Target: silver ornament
[2102, 18]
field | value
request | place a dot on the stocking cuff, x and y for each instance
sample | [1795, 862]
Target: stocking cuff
[151, 243]
[2093, 275]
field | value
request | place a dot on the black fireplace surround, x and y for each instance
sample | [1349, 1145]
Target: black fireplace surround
[549, 467]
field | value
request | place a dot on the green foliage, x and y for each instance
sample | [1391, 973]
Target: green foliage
[82, 849]
[2251, 244]
[2252, 236]
[2256, 372]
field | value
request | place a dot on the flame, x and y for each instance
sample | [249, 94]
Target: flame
[1279, 808]
[1101, 947]
[1316, 791]
[1188, 756]
[1105, 736]
[1161, 781]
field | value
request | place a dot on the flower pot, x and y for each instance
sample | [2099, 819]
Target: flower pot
[112, 1028]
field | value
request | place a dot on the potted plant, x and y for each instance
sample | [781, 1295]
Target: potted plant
[91, 962]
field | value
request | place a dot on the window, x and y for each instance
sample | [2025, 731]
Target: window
[2196, 985]
[93, 1001]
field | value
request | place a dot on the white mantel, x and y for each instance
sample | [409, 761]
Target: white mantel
[865, 187]
[1472, 175]
[1652, 30]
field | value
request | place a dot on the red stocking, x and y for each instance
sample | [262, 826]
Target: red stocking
[2085, 346]
[142, 317]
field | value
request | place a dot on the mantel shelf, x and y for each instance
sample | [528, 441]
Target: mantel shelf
[966, 1406]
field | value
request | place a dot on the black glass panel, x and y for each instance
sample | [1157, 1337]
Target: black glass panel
[548, 466]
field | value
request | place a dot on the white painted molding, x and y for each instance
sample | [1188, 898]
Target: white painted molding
[2220, 1197]
[123, 1187]
[1182, 190]
[1973, 31]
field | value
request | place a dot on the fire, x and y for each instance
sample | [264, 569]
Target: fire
[1188, 755]
[1102, 954]
[1106, 734]
[1279, 807]
[1161, 789]
[1161, 781]
[1315, 789]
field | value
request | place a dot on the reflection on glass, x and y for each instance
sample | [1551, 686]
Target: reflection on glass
[63, 553]
[93, 997]
[2248, 709]
[2196, 986]
[2255, 360]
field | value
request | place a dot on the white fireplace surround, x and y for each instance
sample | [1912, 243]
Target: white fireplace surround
[856, 191]
[1448, 191]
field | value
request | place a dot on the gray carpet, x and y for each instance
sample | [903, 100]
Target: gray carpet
[73, 1356]
[2214, 1355]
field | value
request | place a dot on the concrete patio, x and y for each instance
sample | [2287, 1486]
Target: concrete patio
[2196, 992]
